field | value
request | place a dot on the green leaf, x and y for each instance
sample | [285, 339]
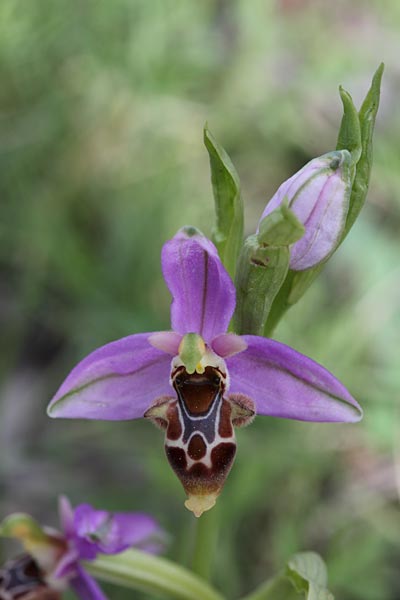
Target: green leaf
[367, 116]
[153, 574]
[349, 137]
[228, 232]
[307, 572]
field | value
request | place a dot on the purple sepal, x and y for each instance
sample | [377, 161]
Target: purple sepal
[203, 295]
[118, 381]
[284, 383]
[110, 533]
[85, 587]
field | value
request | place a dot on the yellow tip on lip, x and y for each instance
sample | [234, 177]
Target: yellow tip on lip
[199, 504]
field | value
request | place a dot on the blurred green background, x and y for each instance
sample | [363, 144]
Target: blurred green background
[102, 106]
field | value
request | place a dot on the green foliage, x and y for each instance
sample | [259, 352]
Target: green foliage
[307, 572]
[262, 267]
[367, 117]
[228, 232]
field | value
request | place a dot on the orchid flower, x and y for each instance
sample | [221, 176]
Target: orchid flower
[197, 381]
[53, 559]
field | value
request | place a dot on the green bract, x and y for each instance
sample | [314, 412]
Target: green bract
[228, 231]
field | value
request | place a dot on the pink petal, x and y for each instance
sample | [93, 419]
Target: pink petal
[166, 341]
[228, 344]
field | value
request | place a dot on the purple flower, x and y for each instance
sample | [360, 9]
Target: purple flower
[86, 532]
[319, 196]
[198, 381]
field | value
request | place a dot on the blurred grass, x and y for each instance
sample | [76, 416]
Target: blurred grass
[101, 160]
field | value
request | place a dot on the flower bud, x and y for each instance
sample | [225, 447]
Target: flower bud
[319, 196]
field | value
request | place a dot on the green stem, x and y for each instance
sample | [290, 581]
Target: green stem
[279, 306]
[153, 574]
[269, 589]
[204, 543]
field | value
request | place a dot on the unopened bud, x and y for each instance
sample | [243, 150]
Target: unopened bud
[319, 196]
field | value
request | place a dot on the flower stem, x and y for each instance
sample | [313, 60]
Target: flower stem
[204, 543]
[145, 572]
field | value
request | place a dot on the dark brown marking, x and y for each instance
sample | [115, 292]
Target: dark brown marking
[222, 457]
[174, 430]
[177, 459]
[198, 390]
[259, 263]
[197, 447]
[225, 428]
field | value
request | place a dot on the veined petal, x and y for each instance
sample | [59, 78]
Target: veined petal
[85, 587]
[111, 533]
[115, 382]
[284, 383]
[203, 295]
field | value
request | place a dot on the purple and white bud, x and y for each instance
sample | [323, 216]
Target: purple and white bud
[319, 196]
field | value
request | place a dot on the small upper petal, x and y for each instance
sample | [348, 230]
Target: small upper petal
[203, 294]
[228, 344]
[284, 383]
[115, 382]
